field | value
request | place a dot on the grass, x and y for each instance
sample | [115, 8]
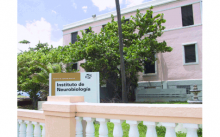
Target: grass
[142, 130]
[161, 102]
[20, 96]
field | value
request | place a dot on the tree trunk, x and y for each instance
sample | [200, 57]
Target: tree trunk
[34, 102]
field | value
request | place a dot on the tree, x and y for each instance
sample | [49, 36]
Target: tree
[28, 64]
[25, 68]
[43, 76]
[24, 42]
[101, 51]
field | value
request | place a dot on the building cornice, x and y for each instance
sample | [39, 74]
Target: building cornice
[123, 11]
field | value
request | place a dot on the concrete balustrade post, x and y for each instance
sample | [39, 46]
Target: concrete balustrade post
[22, 129]
[103, 129]
[18, 126]
[60, 115]
[170, 129]
[191, 129]
[117, 132]
[90, 129]
[79, 127]
[30, 129]
[133, 132]
[43, 129]
[37, 129]
[151, 129]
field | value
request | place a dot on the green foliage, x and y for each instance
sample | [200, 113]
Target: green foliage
[101, 50]
[24, 42]
[33, 68]
[161, 131]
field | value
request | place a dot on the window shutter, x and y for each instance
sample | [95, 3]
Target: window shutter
[74, 66]
[187, 15]
[74, 37]
[87, 31]
[190, 54]
[149, 68]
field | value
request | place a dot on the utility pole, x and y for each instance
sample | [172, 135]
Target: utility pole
[122, 66]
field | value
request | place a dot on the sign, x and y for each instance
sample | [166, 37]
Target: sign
[84, 84]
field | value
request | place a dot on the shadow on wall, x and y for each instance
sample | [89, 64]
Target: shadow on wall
[164, 69]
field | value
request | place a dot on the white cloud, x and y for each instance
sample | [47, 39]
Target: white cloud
[132, 3]
[104, 4]
[84, 8]
[74, 4]
[34, 32]
[54, 11]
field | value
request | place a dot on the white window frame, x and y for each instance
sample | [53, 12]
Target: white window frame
[151, 74]
[196, 53]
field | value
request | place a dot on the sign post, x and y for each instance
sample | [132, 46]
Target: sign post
[85, 84]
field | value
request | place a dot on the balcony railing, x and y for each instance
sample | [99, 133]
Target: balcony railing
[30, 122]
[63, 117]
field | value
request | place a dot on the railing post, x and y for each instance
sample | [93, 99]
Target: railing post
[103, 129]
[191, 129]
[22, 129]
[18, 126]
[30, 130]
[60, 115]
[133, 132]
[151, 129]
[37, 129]
[117, 132]
[170, 129]
[79, 127]
[43, 129]
[90, 129]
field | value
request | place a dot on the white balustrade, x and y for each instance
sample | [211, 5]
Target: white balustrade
[79, 127]
[22, 129]
[18, 126]
[151, 129]
[170, 129]
[43, 129]
[37, 129]
[191, 129]
[29, 130]
[103, 129]
[90, 129]
[133, 132]
[117, 132]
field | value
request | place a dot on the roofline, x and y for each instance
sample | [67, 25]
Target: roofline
[123, 11]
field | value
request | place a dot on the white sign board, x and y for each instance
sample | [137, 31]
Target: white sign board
[84, 84]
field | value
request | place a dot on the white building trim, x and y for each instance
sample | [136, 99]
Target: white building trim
[124, 11]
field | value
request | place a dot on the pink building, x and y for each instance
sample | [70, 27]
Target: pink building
[179, 69]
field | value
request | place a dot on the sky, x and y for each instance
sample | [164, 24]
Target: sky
[43, 20]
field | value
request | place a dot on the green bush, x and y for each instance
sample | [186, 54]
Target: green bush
[142, 130]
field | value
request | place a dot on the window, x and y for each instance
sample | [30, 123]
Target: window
[126, 20]
[74, 66]
[187, 15]
[74, 37]
[149, 68]
[103, 26]
[187, 87]
[190, 54]
[87, 30]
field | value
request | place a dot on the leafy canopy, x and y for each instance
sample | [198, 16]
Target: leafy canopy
[101, 50]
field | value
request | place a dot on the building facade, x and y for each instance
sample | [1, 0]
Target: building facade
[179, 69]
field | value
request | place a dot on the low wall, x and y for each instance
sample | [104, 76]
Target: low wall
[171, 87]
